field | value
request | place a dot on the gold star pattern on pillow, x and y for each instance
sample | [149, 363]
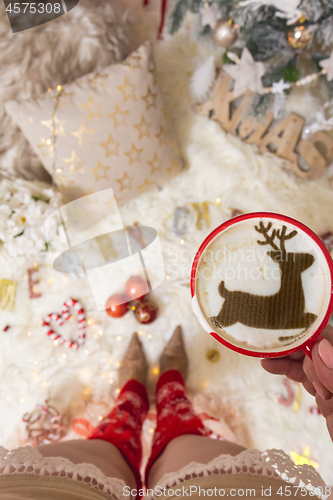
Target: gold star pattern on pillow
[106, 129]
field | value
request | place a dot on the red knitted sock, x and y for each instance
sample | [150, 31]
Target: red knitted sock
[175, 415]
[123, 426]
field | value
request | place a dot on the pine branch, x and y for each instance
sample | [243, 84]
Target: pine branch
[273, 74]
[194, 5]
[291, 74]
[314, 9]
[264, 41]
[260, 104]
[178, 15]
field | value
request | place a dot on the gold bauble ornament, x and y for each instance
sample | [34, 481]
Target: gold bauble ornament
[299, 36]
[213, 355]
[225, 32]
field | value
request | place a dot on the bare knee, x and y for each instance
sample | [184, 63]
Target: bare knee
[103, 455]
[186, 449]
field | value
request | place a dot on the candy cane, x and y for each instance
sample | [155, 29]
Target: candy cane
[59, 320]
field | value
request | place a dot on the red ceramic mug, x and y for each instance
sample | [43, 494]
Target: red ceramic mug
[267, 311]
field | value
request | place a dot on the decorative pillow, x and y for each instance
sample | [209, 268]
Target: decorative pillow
[106, 129]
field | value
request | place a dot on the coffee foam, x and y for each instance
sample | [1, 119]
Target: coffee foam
[235, 257]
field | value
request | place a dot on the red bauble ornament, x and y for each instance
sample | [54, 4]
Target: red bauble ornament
[145, 311]
[117, 305]
[136, 287]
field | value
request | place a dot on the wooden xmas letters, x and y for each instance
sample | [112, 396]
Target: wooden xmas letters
[32, 283]
[304, 158]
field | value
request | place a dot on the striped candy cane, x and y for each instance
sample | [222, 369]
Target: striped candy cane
[59, 320]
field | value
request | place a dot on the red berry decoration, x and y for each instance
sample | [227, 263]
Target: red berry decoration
[145, 311]
[117, 305]
[136, 287]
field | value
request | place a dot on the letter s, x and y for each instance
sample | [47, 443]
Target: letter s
[158, 491]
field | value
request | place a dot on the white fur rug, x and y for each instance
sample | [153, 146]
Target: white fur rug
[236, 388]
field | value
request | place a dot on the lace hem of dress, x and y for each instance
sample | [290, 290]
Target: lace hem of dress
[28, 460]
[270, 463]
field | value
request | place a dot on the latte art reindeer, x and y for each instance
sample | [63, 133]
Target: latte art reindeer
[283, 310]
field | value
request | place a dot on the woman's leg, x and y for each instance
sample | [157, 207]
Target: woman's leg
[115, 445]
[185, 449]
[100, 453]
[180, 437]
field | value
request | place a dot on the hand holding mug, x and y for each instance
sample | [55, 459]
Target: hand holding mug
[316, 375]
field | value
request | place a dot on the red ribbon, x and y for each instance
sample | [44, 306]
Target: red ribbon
[44, 424]
[83, 428]
[163, 12]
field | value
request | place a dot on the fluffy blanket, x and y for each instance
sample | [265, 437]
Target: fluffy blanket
[235, 389]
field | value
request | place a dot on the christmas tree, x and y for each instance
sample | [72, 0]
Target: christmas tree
[292, 38]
